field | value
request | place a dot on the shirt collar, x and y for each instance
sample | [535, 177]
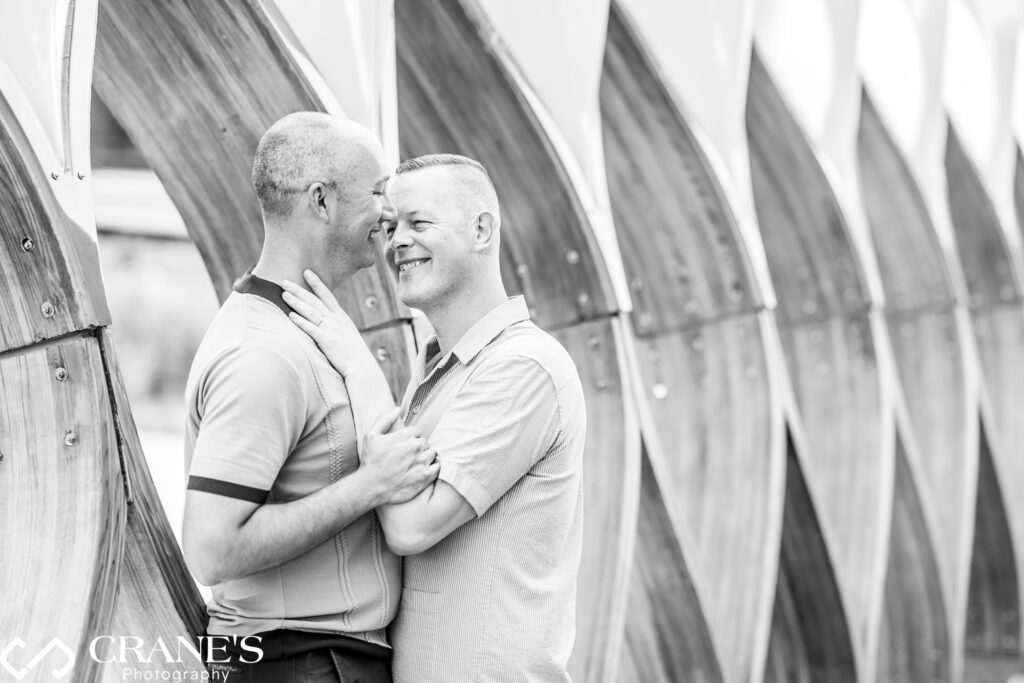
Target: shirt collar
[485, 329]
[271, 291]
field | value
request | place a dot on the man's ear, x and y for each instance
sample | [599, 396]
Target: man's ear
[317, 198]
[486, 231]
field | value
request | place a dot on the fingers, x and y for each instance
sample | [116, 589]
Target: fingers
[309, 328]
[301, 293]
[321, 290]
[306, 305]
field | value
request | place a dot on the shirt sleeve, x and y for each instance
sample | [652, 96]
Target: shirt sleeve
[252, 413]
[501, 423]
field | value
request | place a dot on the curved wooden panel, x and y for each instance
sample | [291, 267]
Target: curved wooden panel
[44, 257]
[700, 346]
[810, 634]
[926, 339]
[195, 85]
[914, 635]
[828, 340]
[156, 578]
[993, 624]
[663, 640]
[997, 315]
[548, 253]
[61, 499]
[610, 528]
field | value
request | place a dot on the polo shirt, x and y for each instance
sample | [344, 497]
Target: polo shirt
[269, 421]
[495, 600]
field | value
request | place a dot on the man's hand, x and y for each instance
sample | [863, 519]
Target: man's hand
[319, 315]
[396, 459]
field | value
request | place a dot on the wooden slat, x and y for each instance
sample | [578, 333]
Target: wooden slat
[157, 576]
[61, 500]
[679, 239]
[49, 271]
[810, 636]
[701, 357]
[455, 96]
[394, 347]
[666, 640]
[914, 634]
[610, 474]
[828, 337]
[993, 622]
[195, 85]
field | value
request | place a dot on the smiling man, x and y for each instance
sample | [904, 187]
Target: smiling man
[279, 509]
[494, 544]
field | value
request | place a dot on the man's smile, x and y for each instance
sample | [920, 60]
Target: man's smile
[410, 264]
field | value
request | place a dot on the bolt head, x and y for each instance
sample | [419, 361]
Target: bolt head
[27, 244]
[70, 439]
[370, 302]
[47, 309]
[61, 374]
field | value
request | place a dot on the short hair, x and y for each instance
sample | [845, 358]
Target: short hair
[300, 149]
[476, 182]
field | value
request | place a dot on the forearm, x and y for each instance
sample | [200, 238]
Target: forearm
[277, 533]
[421, 522]
[369, 394]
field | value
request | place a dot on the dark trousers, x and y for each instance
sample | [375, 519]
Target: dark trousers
[294, 657]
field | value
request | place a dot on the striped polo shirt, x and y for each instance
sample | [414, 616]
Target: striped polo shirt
[495, 600]
[269, 421]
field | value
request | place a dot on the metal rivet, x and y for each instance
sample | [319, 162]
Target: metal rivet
[522, 269]
[27, 244]
[659, 391]
[61, 374]
[47, 309]
[583, 299]
[593, 342]
[382, 355]
[55, 175]
[70, 439]
[370, 302]
[573, 257]
[602, 385]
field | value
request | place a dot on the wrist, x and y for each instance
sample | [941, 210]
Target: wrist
[373, 487]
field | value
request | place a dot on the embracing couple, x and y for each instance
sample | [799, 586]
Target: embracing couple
[306, 483]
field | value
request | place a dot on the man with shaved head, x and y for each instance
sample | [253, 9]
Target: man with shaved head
[285, 469]
[494, 544]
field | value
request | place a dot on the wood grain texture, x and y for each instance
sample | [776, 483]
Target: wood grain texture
[49, 270]
[195, 85]
[664, 642]
[914, 633]
[456, 96]
[61, 499]
[156, 575]
[828, 335]
[997, 315]
[810, 636]
[928, 339]
[610, 481]
[700, 350]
